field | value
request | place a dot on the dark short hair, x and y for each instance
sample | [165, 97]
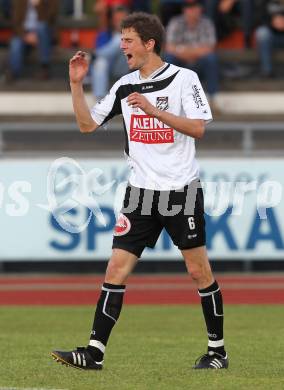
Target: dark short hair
[147, 26]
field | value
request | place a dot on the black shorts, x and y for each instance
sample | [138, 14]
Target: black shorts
[145, 213]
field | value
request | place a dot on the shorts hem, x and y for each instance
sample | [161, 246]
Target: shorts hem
[191, 247]
[135, 251]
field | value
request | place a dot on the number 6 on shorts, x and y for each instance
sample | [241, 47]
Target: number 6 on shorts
[191, 223]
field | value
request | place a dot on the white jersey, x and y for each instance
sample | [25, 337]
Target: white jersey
[160, 157]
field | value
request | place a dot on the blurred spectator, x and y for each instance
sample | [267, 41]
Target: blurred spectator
[226, 13]
[102, 9]
[32, 23]
[168, 9]
[270, 35]
[140, 5]
[190, 42]
[66, 7]
[109, 61]
[5, 9]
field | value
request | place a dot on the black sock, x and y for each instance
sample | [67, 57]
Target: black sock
[212, 306]
[107, 312]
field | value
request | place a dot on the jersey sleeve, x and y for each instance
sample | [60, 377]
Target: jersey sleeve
[108, 107]
[194, 101]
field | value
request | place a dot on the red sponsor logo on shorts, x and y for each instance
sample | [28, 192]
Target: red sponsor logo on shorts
[150, 130]
[122, 225]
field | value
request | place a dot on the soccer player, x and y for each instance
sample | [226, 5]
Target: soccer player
[164, 109]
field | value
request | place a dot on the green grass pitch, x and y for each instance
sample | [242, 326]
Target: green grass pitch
[151, 348]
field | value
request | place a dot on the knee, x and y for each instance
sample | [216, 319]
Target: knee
[210, 59]
[16, 44]
[196, 272]
[200, 273]
[263, 34]
[101, 64]
[113, 268]
[115, 272]
[43, 27]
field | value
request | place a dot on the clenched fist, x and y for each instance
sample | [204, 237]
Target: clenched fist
[135, 100]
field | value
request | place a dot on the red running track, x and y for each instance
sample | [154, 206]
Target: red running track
[146, 289]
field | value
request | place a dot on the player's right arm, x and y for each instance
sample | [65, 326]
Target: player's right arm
[78, 68]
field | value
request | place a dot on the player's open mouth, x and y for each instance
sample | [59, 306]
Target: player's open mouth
[129, 57]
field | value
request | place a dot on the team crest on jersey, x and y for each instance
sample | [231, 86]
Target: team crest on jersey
[162, 103]
[122, 225]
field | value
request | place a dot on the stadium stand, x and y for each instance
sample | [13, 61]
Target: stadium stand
[32, 101]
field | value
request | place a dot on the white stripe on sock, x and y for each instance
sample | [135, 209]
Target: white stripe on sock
[97, 344]
[216, 344]
[113, 289]
[209, 293]
[79, 359]
[214, 307]
[104, 307]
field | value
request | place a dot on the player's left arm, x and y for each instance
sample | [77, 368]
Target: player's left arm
[193, 127]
